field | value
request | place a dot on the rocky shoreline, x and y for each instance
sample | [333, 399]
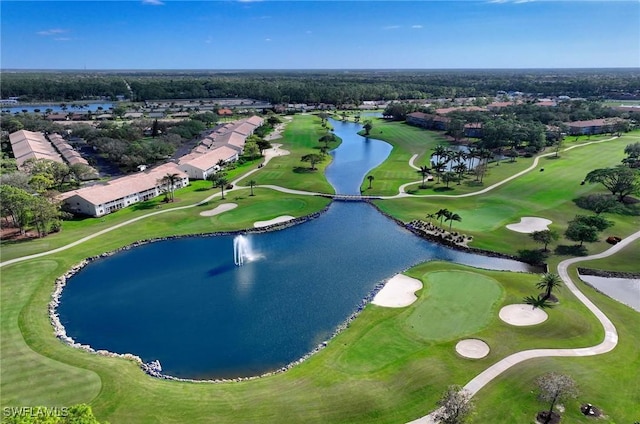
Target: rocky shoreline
[154, 368]
[609, 274]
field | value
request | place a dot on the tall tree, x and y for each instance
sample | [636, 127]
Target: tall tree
[252, 183]
[368, 126]
[313, 159]
[621, 181]
[548, 282]
[370, 178]
[442, 214]
[452, 217]
[555, 387]
[169, 181]
[455, 406]
[424, 172]
[544, 236]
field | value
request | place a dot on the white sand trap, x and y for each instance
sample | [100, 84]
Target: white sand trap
[472, 348]
[522, 314]
[278, 220]
[398, 292]
[529, 224]
[219, 209]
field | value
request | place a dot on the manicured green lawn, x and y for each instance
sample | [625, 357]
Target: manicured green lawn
[299, 138]
[549, 194]
[390, 365]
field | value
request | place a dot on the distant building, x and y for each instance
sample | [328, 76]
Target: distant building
[593, 126]
[428, 121]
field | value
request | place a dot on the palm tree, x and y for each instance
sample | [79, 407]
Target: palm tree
[441, 214]
[222, 182]
[452, 217]
[439, 167]
[460, 168]
[370, 178]
[424, 171]
[170, 181]
[548, 282]
[251, 184]
[430, 216]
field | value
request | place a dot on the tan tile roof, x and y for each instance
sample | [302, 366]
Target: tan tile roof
[208, 160]
[255, 120]
[125, 186]
[32, 145]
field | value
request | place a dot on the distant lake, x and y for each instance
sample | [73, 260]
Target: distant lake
[56, 108]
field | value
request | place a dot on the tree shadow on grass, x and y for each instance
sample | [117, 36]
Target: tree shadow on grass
[442, 189]
[144, 206]
[575, 250]
[473, 183]
[303, 170]
[539, 302]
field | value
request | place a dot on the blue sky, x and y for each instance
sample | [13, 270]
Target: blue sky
[172, 34]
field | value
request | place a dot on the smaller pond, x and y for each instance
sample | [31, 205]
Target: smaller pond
[624, 290]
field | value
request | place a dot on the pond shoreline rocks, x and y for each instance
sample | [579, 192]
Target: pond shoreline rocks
[154, 368]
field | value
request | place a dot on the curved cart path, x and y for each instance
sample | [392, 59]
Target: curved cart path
[608, 344]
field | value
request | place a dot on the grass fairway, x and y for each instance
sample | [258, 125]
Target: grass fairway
[300, 138]
[549, 194]
[390, 365]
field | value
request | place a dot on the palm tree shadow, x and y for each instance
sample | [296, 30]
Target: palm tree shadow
[538, 302]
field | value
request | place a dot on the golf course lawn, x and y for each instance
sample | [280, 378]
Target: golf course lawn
[391, 364]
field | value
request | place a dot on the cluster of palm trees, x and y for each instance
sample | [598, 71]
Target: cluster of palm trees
[451, 165]
[445, 215]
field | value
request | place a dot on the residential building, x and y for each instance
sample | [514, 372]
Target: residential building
[32, 145]
[199, 166]
[101, 199]
[593, 126]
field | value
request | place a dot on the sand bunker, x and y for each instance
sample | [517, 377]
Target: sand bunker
[278, 220]
[529, 224]
[472, 348]
[398, 292]
[219, 209]
[522, 315]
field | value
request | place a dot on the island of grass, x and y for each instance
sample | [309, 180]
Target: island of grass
[391, 364]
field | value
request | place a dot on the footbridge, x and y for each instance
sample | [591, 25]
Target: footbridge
[351, 197]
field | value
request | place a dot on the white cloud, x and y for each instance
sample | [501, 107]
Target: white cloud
[416, 26]
[153, 2]
[391, 27]
[54, 31]
[267, 39]
[63, 39]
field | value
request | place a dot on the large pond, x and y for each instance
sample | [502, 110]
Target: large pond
[184, 302]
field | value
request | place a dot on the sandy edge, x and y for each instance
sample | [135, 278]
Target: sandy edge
[398, 292]
[278, 220]
[529, 224]
[219, 209]
[521, 314]
[472, 348]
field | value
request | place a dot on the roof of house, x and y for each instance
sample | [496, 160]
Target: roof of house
[32, 145]
[255, 120]
[593, 123]
[125, 186]
[208, 160]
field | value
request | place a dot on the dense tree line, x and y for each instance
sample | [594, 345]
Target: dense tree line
[61, 86]
[334, 87]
